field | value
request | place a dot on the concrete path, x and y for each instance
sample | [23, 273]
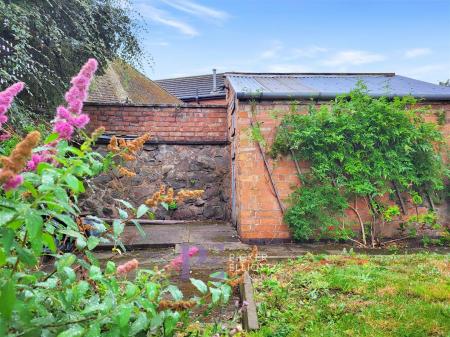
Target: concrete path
[210, 235]
[218, 243]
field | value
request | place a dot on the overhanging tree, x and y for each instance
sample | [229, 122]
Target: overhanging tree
[42, 42]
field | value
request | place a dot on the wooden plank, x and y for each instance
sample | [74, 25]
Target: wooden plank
[250, 315]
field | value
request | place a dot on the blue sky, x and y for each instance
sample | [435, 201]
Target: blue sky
[190, 37]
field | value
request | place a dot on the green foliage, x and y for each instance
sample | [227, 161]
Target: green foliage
[9, 144]
[49, 39]
[441, 116]
[169, 206]
[72, 295]
[314, 210]
[255, 134]
[361, 146]
[416, 198]
[391, 212]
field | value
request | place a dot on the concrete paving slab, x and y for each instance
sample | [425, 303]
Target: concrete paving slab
[211, 234]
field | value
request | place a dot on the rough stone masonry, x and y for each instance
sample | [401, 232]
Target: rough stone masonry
[188, 150]
[178, 166]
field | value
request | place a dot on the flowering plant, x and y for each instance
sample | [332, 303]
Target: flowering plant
[73, 295]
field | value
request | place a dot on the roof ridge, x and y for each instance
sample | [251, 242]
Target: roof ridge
[181, 77]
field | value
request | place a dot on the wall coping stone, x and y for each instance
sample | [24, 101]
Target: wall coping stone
[160, 105]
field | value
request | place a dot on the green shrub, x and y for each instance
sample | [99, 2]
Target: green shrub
[361, 146]
[314, 211]
[73, 295]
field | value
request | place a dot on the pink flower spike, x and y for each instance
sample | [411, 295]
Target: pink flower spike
[16, 88]
[64, 129]
[62, 113]
[80, 121]
[13, 182]
[81, 81]
[5, 136]
[193, 251]
[36, 159]
[90, 66]
[72, 95]
[6, 98]
[176, 262]
[76, 106]
[127, 267]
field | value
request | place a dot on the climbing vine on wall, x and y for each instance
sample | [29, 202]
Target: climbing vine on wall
[359, 146]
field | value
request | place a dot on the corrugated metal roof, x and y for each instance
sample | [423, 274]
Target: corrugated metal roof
[192, 87]
[327, 86]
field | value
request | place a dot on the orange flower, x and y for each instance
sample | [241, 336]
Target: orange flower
[97, 133]
[113, 146]
[126, 172]
[177, 306]
[17, 160]
[188, 194]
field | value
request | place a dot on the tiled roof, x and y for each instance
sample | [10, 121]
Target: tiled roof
[122, 83]
[193, 87]
[327, 86]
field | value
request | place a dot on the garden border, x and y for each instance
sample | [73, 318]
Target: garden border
[250, 314]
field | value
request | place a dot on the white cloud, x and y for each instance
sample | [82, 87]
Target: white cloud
[417, 52]
[353, 57]
[272, 52]
[427, 69]
[157, 15]
[196, 9]
[310, 51]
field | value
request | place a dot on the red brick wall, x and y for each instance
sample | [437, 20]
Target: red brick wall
[257, 212]
[166, 122]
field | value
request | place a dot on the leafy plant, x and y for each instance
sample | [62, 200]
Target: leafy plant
[361, 146]
[51, 284]
[255, 134]
[314, 210]
[391, 212]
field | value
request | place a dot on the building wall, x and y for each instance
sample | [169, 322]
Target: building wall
[256, 211]
[188, 149]
[165, 122]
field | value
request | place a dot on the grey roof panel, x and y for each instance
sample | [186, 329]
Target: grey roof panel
[327, 86]
[192, 87]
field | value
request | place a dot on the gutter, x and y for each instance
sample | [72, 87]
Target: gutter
[194, 98]
[103, 140]
[326, 96]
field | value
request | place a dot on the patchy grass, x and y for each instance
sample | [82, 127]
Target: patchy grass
[355, 295]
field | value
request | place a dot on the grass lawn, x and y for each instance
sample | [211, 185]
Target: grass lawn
[355, 295]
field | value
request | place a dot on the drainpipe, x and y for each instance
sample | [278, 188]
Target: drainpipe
[214, 81]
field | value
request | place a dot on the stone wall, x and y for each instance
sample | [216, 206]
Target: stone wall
[256, 211]
[179, 166]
